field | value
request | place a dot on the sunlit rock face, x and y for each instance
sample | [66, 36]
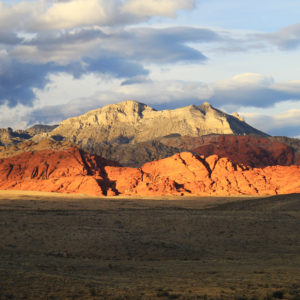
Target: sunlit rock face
[134, 122]
[74, 171]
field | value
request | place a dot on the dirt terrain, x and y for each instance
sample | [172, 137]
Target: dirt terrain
[56, 246]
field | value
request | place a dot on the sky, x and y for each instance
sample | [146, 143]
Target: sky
[62, 58]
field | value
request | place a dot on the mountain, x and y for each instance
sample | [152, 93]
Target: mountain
[84, 154]
[9, 137]
[65, 171]
[133, 155]
[32, 146]
[39, 128]
[254, 151]
[133, 133]
[134, 122]
[250, 150]
[130, 132]
[74, 171]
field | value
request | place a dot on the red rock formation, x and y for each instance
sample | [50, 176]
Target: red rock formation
[248, 150]
[65, 171]
[219, 176]
[73, 171]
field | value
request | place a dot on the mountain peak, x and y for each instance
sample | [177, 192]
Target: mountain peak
[236, 115]
[206, 104]
[132, 122]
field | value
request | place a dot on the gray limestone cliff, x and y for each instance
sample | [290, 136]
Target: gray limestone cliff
[133, 122]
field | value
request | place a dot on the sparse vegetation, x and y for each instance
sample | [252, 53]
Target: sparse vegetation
[90, 248]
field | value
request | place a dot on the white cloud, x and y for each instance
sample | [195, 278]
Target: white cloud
[40, 39]
[35, 16]
[150, 8]
[16, 117]
[160, 94]
[292, 86]
[249, 80]
[284, 123]
[254, 90]
[165, 45]
[16, 16]
[64, 15]
[229, 95]
[286, 38]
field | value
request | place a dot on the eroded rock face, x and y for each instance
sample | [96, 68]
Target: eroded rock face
[74, 171]
[248, 150]
[10, 137]
[31, 146]
[65, 171]
[134, 122]
[252, 151]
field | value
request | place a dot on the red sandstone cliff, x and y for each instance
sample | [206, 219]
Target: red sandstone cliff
[74, 171]
[253, 151]
[65, 171]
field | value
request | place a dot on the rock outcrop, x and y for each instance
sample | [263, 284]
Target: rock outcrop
[74, 171]
[64, 171]
[32, 146]
[133, 134]
[9, 137]
[252, 151]
[134, 122]
[39, 128]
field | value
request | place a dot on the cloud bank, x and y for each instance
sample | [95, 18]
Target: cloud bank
[116, 41]
[37, 16]
[231, 95]
[282, 124]
[77, 37]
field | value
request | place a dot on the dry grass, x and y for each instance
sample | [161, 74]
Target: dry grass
[78, 247]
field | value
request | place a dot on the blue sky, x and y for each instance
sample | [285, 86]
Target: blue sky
[256, 15]
[60, 58]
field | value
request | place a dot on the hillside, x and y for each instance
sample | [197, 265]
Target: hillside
[254, 151]
[74, 171]
[133, 134]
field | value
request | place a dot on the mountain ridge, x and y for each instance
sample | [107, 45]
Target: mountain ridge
[74, 171]
[132, 122]
[134, 133]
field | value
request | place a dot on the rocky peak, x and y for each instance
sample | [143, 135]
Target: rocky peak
[40, 128]
[205, 106]
[131, 107]
[8, 136]
[236, 115]
[133, 122]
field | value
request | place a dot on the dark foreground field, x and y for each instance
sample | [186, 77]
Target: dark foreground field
[59, 247]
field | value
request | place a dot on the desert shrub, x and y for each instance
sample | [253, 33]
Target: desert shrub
[93, 292]
[173, 296]
[162, 293]
[278, 294]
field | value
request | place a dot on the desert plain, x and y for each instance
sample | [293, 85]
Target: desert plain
[56, 246]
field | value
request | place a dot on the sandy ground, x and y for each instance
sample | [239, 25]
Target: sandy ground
[55, 246]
